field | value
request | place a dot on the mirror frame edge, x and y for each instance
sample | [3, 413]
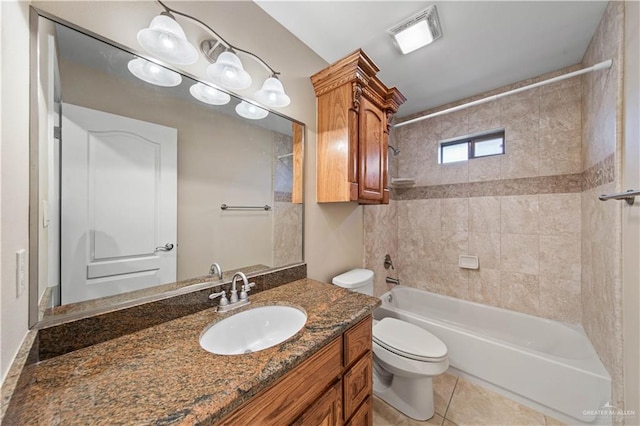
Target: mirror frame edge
[34, 321]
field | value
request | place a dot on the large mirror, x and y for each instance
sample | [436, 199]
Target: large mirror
[138, 188]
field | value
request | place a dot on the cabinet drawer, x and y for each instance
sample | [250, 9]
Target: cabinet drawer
[364, 415]
[358, 384]
[284, 401]
[357, 340]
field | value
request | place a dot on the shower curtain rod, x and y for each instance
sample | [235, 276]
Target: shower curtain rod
[599, 66]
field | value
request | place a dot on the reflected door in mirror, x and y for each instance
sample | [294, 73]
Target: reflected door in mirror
[119, 192]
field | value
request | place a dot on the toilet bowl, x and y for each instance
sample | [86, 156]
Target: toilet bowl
[405, 356]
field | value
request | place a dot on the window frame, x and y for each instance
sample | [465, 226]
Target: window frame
[471, 141]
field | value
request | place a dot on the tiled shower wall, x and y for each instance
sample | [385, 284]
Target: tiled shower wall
[546, 244]
[601, 221]
[518, 212]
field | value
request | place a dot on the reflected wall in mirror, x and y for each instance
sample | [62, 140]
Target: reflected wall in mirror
[131, 178]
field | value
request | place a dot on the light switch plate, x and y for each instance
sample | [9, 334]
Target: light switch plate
[21, 271]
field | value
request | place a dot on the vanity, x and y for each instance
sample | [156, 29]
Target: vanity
[118, 299]
[161, 375]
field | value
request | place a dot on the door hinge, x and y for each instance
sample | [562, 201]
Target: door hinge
[57, 132]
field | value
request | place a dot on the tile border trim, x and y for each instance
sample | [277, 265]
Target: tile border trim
[599, 174]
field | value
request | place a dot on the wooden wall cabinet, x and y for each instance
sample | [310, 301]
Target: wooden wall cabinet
[332, 388]
[354, 112]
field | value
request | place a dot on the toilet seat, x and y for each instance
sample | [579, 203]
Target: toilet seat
[409, 341]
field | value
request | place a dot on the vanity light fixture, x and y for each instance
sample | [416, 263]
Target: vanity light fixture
[227, 71]
[209, 95]
[153, 73]
[272, 93]
[417, 31]
[166, 40]
[251, 111]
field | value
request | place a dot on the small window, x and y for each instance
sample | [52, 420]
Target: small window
[468, 147]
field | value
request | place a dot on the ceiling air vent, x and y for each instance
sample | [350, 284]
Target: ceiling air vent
[417, 31]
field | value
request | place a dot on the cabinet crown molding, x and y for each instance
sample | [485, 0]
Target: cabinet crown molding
[359, 68]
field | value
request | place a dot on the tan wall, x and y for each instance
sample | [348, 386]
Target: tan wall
[601, 222]
[518, 212]
[14, 173]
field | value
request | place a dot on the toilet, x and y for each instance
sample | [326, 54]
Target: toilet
[405, 356]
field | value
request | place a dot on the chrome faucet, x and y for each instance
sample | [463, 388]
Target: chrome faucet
[395, 281]
[234, 301]
[215, 269]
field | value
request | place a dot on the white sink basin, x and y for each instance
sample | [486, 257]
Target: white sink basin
[253, 330]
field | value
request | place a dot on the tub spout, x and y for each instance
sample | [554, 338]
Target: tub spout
[394, 281]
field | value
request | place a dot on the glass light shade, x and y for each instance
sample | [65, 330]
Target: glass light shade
[228, 72]
[165, 39]
[250, 111]
[272, 94]
[209, 95]
[153, 73]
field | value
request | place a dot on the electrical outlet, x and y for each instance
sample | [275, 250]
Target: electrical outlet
[21, 271]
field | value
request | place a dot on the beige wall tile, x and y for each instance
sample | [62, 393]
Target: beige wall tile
[560, 300]
[560, 257]
[560, 214]
[453, 125]
[519, 253]
[453, 245]
[560, 110]
[419, 231]
[520, 158]
[560, 152]
[455, 281]
[487, 248]
[427, 170]
[485, 117]
[520, 116]
[519, 214]
[454, 172]
[484, 214]
[485, 169]
[484, 286]
[520, 292]
[474, 405]
[454, 215]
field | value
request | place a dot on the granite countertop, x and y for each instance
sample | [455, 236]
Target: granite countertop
[161, 375]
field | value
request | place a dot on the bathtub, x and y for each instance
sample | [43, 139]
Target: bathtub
[545, 363]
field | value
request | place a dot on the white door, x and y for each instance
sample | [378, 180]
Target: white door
[119, 192]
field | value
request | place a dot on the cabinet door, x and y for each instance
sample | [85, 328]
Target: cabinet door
[372, 152]
[364, 415]
[326, 411]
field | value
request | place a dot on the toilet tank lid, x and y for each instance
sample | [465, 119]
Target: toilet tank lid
[353, 278]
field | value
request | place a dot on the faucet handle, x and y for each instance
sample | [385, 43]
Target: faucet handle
[223, 297]
[245, 289]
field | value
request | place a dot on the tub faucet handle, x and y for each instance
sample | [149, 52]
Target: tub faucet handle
[388, 262]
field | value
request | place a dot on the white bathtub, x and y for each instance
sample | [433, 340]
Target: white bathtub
[549, 363]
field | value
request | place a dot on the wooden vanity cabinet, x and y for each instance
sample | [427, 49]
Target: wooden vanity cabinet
[333, 387]
[354, 112]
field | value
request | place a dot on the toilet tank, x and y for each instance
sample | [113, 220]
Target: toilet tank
[359, 280]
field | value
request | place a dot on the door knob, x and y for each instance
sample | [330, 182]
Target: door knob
[166, 247]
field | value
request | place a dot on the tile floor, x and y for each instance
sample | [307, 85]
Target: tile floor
[461, 403]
